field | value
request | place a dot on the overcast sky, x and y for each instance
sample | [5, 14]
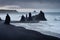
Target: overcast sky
[42, 4]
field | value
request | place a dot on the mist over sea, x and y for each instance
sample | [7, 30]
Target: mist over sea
[51, 25]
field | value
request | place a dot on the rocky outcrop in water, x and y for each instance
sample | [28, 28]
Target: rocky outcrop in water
[0, 19]
[40, 17]
[23, 18]
[33, 19]
[7, 20]
[30, 17]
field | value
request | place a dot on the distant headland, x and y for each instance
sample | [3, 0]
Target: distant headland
[8, 11]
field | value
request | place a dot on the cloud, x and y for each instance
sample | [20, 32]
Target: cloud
[29, 0]
[44, 4]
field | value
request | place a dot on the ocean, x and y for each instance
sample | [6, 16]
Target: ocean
[46, 27]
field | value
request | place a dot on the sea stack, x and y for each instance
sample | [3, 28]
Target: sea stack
[30, 17]
[22, 18]
[33, 19]
[0, 19]
[7, 20]
[40, 16]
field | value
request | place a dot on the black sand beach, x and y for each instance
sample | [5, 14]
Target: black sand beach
[10, 32]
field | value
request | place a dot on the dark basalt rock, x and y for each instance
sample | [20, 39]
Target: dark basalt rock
[0, 19]
[30, 17]
[33, 19]
[40, 16]
[22, 18]
[7, 20]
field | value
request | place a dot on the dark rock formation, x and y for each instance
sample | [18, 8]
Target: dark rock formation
[26, 17]
[22, 18]
[7, 20]
[0, 19]
[34, 10]
[40, 16]
[33, 19]
[30, 17]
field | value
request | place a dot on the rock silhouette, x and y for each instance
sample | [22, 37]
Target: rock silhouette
[40, 16]
[34, 10]
[26, 17]
[22, 18]
[30, 17]
[7, 20]
[0, 19]
[36, 18]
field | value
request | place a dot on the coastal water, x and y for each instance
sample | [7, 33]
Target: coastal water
[51, 25]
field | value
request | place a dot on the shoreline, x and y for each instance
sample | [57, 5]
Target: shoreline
[41, 31]
[11, 32]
